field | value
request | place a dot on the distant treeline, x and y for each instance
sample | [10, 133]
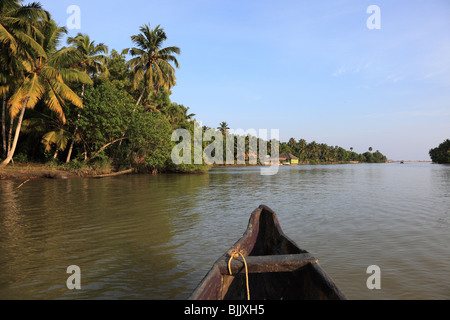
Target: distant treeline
[314, 152]
[441, 154]
[311, 153]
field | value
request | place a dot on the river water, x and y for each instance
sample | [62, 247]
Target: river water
[155, 237]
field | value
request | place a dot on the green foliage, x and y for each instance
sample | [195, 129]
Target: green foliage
[441, 154]
[105, 115]
[150, 143]
[314, 153]
[82, 168]
[119, 74]
[132, 136]
[21, 158]
[190, 167]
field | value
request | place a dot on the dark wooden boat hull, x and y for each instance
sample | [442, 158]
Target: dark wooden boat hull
[277, 268]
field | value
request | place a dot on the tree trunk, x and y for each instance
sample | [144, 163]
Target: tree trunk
[16, 137]
[69, 154]
[103, 148]
[140, 97]
[11, 126]
[137, 103]
[5, 148]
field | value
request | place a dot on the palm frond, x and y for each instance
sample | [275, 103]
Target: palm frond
[16, 102]
[66, 93]
[34, 90]
[31, 43]
[7, 38]
[55, 102]
[59, 138]
[33, 125]
[73, 75]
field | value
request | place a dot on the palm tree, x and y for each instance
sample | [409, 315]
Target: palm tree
[151, 66]
[88, 58]
[292, 143]
[15, 21]
[312, 150]
[185, 111]
[59, 138]
[177, 114]
[223, 127]
[49, 129]
[43, 75]
[18, 24]
[302, 148]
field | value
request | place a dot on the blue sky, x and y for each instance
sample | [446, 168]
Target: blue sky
[311, 69]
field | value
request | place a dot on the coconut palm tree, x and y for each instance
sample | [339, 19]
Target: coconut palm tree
[18, 24]
[177, 114]
[302, 149]
[91, 59]
[59, 138]
[42, 76]
[223, 127]
[151, 63]
[312, 150]
[15, 21]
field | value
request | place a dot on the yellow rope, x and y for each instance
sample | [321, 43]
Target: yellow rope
[236, 255]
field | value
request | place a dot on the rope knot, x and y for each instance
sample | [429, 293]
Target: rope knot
[235, 254]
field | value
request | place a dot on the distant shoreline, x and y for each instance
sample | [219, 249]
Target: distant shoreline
[389, 161]
[20, 171]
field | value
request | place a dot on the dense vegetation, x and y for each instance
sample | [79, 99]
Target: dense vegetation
[320, 152]
[441, 154]
[79, 104]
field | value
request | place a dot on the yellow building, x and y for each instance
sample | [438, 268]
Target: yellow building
[288, 158]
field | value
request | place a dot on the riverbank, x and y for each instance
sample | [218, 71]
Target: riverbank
[20, 171]
[23, 171]
[26, 171]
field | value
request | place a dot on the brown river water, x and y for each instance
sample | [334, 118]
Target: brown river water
[155, 237]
